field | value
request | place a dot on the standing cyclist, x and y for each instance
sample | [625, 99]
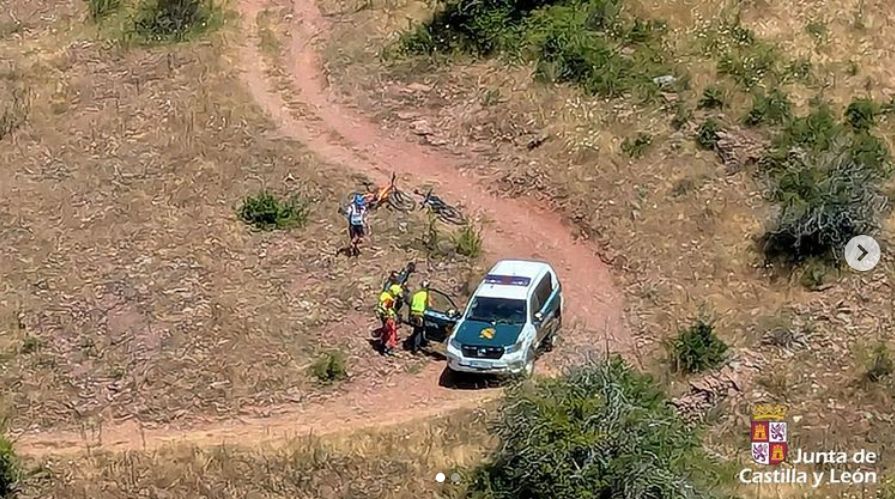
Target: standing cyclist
[357, 223]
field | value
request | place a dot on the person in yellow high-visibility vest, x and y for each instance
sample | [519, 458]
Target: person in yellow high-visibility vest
[419, 303]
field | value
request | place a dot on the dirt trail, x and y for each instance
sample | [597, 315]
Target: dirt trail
[517, 229]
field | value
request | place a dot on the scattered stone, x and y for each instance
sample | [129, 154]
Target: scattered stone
[419, 87]
[421, 127]
[664, 80]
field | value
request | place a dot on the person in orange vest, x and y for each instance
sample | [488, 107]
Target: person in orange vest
[390, 332]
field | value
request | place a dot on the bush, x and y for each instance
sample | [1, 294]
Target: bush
[468, 241]
[330, 367]
[861, 113]
[575, 42]
[880, 364]
[707, 135]
[825, 177]
[171, 19]
[601, 430]
[772, 109]
[99, 9]
[638, 146]
[697, 348]
[815, 273]
[9, 469]
[267, 212]
[712, 98]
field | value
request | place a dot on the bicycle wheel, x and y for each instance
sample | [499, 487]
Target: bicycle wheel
[451, 215]
[400, 201]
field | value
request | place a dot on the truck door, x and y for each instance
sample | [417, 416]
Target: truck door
[546, 297]
[440, 318]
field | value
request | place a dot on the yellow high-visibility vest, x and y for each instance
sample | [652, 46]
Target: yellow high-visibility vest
[420, 302]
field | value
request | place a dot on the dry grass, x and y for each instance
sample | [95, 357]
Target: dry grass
[129, 286]
[679, 228]
[394, 464]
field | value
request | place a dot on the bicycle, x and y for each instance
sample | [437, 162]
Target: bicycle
[389, 195]
[442, 210]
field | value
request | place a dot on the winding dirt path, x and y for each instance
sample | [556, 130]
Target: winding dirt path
[518, 229]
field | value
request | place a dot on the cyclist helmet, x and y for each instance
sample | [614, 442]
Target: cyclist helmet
[359, 200]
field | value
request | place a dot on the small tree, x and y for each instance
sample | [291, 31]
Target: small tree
[601, 430]
[825, 200]
[330, 367]
[267, 212]
[171, 19]
[697, 348]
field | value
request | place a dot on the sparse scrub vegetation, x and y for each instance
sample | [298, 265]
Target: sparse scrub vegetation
[815, 273]
[468, 241]
[30, 344]
[100, 9]
[268, 212]
[588, 43]
[879, 365]
[637, 147]
[826, 178]
[697, 348]
[174, 20]
[772, 108]
[861, 113]
[15, 109]
[601, 430]
[330, 367]
[712, 98]
[9, 469]
[707, 134]
[742, 56]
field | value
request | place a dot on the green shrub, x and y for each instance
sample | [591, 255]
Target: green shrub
[707, 135]
[587, 43]
[99, 9]
[267, 212]
[817, 29]
[880, 365]
[30, 344]
[9, 469]
[861, 113]
[171, 19]
[468, 241]
[815, 273]
[601, 430]
[712, 98]
[682, 115]
[799, 69]
[697, 348]
[826, 178]
[773, 108]
[637, 146]
[749, 67]
[330, 367]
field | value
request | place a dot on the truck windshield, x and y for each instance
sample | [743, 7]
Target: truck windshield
[497, 310]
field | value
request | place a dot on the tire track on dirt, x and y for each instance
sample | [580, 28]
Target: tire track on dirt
[517, 229]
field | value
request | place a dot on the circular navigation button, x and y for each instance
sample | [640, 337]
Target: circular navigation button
[862, 253]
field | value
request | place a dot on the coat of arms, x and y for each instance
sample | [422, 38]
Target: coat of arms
[768, 434]
[487, 333]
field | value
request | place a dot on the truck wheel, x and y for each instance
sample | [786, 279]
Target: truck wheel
[529, 368]
[548, 345]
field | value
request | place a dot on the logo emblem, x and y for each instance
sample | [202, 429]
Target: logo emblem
[487, 333]
[768, 434]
